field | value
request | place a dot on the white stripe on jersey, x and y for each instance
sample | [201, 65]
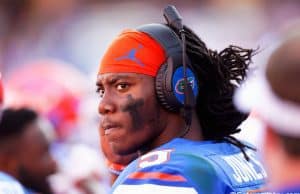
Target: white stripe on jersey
[150, 189]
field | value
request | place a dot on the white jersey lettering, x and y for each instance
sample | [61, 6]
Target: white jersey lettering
[154, 158]
[245, 171]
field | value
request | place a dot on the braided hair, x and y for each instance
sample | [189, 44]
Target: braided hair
[219, 74]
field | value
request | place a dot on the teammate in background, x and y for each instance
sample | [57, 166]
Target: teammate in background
[24, 151]
[276, 99]
[8, 184]
[181, 125]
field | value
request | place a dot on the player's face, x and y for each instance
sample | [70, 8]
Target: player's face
[130, 117]
[36, 163]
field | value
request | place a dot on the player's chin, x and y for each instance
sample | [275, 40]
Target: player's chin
[122, 141]
[121, 148]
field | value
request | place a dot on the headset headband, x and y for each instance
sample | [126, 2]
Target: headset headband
[165, 36]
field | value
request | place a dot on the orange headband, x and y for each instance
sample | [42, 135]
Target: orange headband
[133, 52]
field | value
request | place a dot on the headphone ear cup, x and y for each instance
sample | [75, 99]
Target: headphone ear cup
[169, 85]
[164, 89]
[160, 88]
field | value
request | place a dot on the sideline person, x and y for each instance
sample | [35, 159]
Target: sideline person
[275, 98]
[176, 112]
[24, 151]
[8, 184]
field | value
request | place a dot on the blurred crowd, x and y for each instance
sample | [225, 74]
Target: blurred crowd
[50, 51]
[63, 30]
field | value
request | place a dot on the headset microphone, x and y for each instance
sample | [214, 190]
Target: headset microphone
[175, 21]
[173, 18]
[176, 84]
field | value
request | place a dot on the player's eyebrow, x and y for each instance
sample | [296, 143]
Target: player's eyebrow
[111, 79]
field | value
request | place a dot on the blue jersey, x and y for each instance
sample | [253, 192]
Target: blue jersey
[9, 185]
[190, 167]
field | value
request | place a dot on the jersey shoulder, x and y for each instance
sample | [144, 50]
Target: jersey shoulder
[166, 168]
[205, 167]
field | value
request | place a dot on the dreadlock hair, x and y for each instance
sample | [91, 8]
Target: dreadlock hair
[14, 122]
[218, 74]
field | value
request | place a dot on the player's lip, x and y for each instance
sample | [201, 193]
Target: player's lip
[109, 127]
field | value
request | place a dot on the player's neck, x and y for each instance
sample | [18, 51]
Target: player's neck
[175, 128]
[8, 164]
[194, 132]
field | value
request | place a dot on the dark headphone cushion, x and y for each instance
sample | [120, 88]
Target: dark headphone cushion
[164, 89]
[160, 88]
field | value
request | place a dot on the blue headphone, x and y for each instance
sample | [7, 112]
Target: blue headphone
[176, 73]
